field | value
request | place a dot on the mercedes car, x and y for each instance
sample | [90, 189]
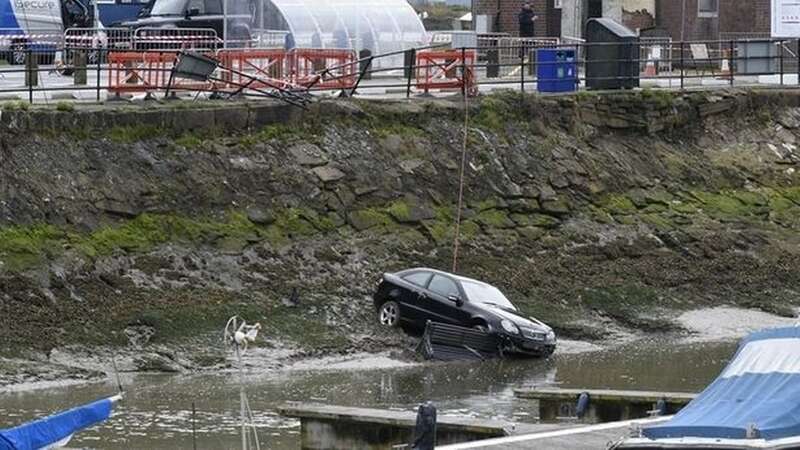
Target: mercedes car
[415, 296]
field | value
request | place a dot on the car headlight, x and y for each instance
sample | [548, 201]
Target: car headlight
[551, 336]
[509, 326]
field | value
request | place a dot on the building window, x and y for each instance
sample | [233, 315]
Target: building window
[707, 8]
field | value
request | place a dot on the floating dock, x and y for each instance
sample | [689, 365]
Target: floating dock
[604, 405]
[335, 427]
[590, 437]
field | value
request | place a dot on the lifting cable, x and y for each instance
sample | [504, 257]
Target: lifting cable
[456, 240]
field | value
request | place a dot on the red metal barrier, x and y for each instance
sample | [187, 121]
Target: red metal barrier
[136, 72]
[307, 67]
[267, 65]
[442, 70]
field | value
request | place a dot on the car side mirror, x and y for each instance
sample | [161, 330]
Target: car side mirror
[456, 299]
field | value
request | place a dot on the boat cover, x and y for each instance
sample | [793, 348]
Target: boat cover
[50, 430]
[759, 388]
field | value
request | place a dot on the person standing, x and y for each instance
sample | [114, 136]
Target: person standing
[527, 19]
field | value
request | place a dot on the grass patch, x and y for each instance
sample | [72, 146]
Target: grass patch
[131, 134]
[384, 130]
[65, 106]
[723, 206]
[496, 112]
[16, 105]
[24, 247]
[661, 98]
[400, 210]
[277, 132]
[189, 141]
[617, 204]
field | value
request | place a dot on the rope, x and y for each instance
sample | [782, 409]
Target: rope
[457, 240]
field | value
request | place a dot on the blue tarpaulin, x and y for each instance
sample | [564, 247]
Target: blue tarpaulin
[50, 430]
[760, 388]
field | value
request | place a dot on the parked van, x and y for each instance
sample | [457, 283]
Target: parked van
[37, 26]
[198, 14]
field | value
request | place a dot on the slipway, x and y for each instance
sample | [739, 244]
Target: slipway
[753, 404]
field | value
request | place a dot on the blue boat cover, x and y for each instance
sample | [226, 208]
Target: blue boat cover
[759, 387]
[50, 430]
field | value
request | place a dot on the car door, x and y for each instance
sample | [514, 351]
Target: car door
[440, 289]
[414, 299]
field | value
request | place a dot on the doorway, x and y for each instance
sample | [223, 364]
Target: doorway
[595, 9]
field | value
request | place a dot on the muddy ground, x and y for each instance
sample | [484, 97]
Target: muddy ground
[606, 216]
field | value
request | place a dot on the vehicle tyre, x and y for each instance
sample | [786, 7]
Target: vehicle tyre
[389, 314]
[18, 53]
[481, 326]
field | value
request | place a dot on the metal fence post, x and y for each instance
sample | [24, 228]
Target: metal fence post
[731, 59]
[464, 71]
[522, 67]
[411, 61]
[31, 75]
[780, 54]
[578, 59]
[99, 59]
[682, 63]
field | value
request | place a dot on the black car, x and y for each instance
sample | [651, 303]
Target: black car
[416, 296]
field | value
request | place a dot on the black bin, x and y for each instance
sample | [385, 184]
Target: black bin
[612, 55]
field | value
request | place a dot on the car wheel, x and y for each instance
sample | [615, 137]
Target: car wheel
[389, 314]
[482, 327]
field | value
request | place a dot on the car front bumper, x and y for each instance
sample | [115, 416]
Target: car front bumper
[527, 346]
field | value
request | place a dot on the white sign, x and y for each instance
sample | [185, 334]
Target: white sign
[786, 18]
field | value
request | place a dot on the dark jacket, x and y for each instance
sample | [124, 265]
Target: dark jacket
[526, 23]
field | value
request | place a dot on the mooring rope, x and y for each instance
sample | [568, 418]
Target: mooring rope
[457, 240]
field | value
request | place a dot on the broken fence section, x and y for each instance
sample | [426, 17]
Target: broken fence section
[443, 342]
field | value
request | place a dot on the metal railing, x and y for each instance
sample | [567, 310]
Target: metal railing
[432, 70]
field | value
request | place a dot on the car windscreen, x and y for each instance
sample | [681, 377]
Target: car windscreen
[484, 293]
[169, 8]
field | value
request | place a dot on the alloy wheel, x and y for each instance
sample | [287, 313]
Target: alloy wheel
[389, 314]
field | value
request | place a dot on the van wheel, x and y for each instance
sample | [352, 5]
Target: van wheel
[18, 54]
[389, 314]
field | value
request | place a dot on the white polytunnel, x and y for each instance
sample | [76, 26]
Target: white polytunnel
[380, 26]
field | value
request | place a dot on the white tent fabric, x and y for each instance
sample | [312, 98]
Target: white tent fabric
[381, 26]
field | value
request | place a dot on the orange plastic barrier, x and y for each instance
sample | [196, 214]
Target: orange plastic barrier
[442, 70]
[307, 67]
[267, 65]
[136, 72]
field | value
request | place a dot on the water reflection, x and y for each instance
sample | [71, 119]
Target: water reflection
[157, 411]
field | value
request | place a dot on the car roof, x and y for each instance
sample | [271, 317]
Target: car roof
[441, 272]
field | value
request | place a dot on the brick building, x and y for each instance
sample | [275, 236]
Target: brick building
[502, 15]
[566, 18]
[697, 20]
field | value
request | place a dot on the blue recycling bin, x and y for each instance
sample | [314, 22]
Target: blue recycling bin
[556, 70]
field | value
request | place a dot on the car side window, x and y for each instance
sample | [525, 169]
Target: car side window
[418, 278]
[443, 286]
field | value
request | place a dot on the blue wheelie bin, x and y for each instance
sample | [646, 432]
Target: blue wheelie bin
[556, 70]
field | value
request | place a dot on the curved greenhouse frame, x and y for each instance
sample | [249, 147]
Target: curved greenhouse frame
[380, 26]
